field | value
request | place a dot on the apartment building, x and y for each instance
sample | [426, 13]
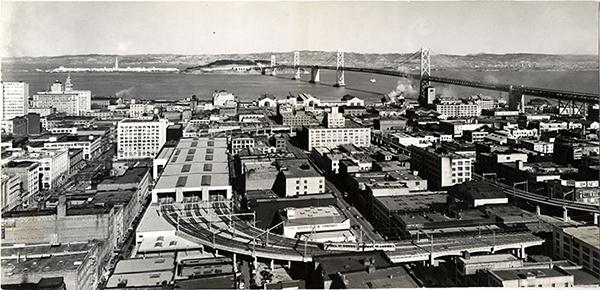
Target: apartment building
[28, 173]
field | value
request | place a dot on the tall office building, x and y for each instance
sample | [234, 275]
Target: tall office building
[138, 139]
[13, 100]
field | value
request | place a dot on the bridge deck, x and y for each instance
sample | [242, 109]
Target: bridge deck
[525, 90]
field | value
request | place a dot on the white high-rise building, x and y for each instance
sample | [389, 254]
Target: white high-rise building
[13, 100]
[139, 139]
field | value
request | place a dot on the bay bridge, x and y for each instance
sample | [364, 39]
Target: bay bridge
[568, 101]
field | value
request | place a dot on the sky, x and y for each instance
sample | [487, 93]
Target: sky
[61, 28]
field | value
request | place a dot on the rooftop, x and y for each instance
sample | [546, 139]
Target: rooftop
[488, 259]
[392, 277]
[154, 264]
[413, 202]
[587, 234]
[295, 168]
[313, 215]
[518, 274]
[350, 262]
[476, 190]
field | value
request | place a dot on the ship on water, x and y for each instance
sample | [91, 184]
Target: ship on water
[116, 68]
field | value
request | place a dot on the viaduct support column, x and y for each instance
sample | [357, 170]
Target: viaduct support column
[272, 265]
[522, 253]
[596, 218]
[315, 75]
[538, 210]
[565, 214]
[235, 263]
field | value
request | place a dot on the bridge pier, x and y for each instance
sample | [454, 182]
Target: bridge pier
[216, 252]
[565, 214]
[596, 218]
[315, 75]
[297, 75]
[272, 264]
[538, 210]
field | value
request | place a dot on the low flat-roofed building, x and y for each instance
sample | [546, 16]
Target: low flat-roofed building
[193, 268]
[373, 277]
[54, 283]
[385, 207]
[313, 219]
[328, 266]
[259, 176]
[478, 193]
[226, 281]
[329, 236]
[148, 264]
[468, 266]
[155, 234]
[542, 277]
[79, 263]
[197, 170]
[266, 205]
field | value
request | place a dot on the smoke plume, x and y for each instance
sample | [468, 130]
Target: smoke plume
[126, 93]
[404, 88]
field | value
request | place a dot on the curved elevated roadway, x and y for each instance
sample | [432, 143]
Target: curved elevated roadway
[540, 199]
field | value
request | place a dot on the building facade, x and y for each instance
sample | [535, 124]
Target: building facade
[28, 173]
[139, 139]
[440, 168]
[13, 100]
[580, 245]
[333, 137]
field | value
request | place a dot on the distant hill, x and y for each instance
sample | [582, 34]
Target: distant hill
[509, 62]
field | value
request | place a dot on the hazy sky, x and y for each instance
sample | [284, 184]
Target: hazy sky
[57, 28]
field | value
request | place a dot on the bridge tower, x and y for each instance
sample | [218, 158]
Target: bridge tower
[273, 64]
[425, 73]
[296, 65]
[339, 82]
